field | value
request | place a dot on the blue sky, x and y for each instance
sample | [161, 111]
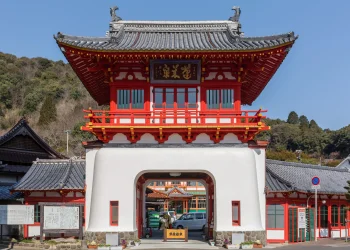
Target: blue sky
[313, 80]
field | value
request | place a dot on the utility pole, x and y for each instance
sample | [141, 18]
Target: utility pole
[67, 132]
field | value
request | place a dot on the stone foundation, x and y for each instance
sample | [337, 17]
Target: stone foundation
[100, 237]
[248, 236]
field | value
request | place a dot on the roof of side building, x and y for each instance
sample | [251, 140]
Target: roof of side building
[297, 177]
[53, 175]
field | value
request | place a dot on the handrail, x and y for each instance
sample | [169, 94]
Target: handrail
[174, 117]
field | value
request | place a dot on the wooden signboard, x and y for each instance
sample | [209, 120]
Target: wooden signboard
[175, 71]
[176, 234]
[61, 218]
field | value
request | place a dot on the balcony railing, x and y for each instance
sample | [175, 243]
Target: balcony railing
[165, 118]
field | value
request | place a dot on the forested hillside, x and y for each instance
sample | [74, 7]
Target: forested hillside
[48, 94]
[52, 98]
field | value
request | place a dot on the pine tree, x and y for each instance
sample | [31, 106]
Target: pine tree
[48, 112]
[293, 118]
[304, 122]
[314, 125]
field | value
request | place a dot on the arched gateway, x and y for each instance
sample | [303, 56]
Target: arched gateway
[175, 91]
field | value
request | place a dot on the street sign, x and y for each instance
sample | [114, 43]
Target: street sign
[315, 180]
[316, 187]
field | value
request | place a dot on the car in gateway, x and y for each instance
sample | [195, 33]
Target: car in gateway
[193, 221]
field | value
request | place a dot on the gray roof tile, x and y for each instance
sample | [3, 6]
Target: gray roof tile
[298, 176]
[53, 175]
[5, 193]
[191, 35]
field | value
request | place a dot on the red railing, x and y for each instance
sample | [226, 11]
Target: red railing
[172, 117]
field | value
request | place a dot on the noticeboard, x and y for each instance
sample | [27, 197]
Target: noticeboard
[16, 214]
[176, 234]
[61, 217]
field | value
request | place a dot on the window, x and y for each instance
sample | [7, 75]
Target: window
[219, 98]
[160, 183]
[236, 213]
[36, 213]
[189, 217]
[202, 203]
[130, 99]
[324, 216]
[193, 202]
[334, 216]
[200, 184]
[199, 216]
[176, 182]
[342, 215]
[180, 98]
[191, 183]
[114, 213]
[275, 216]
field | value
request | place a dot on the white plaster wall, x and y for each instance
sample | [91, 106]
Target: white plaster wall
[260, 162]
[89, 172]
[275, 234]
[335, 233]
[37, 194]
[33, 231]
[53, 194]
[237, 175]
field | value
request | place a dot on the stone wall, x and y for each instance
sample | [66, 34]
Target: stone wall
[248, 236]
[38, 245]
[100, 237]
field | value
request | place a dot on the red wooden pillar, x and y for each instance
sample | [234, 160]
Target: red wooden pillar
[113, 98]
[25, 228]
[329, 207]
[286, 221]
[237, 98]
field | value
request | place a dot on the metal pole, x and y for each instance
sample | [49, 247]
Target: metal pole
[67, 131]
[346, 230]
[316, 218]
[67, 142]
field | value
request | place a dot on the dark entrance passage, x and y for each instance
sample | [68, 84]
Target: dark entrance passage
[175, 204]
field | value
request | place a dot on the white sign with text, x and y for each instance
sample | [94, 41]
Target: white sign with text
[56, 217]
[301, 218]
[16, 214]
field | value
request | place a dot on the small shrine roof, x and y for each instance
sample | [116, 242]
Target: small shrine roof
[57, 175]
[157, 194]
[22, 145]
[177, 192]
[291, 176]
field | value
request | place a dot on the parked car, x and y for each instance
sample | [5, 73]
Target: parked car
[193, 221]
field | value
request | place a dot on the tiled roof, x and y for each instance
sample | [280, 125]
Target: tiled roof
[275, 183]
[345, 163]
[157, 194]
[5, 193]
[288, 176]
[173, 36]
[177, 192]
[22, 145]
[53, 175]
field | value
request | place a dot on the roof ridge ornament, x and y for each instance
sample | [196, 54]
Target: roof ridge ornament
[114, 17]
[235, 17]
